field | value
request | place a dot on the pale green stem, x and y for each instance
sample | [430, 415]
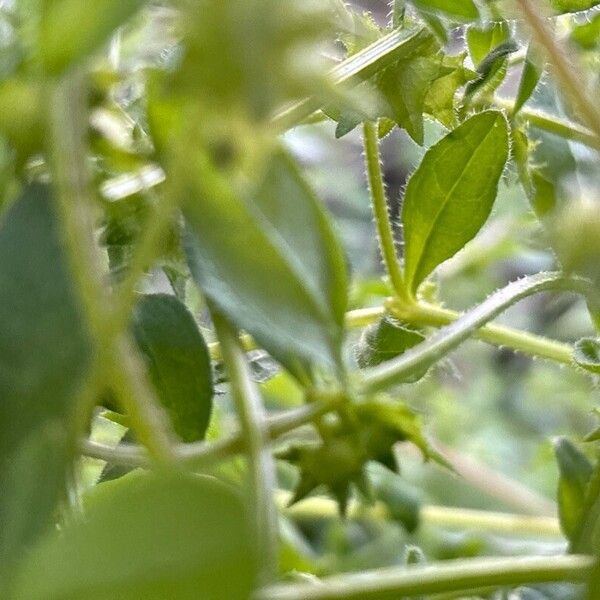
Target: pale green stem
[116, 356]
[462, 575]
[498, 335]
[567, 72]
[255, 431]
[319, 507]
[204, 454]
[552, 124]
[385, 232]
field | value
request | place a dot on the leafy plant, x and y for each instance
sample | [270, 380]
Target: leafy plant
[194, 376]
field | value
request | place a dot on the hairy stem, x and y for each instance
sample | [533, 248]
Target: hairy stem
[385, 232]
[256, 437]
[116, 355]
[462, 575]
[567, 73]
[498, 335]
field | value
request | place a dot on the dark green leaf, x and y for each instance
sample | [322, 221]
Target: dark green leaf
[587, 354]
[385, 340]
[178, 362]
[575, 472]
[44, 352]
[450, 195]
[150, 536]
[71, 30]
[271, 263]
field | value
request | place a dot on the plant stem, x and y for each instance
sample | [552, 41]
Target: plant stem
[462, 575]
[552, 124]
[567, 73]
[498, 335]
[116, 355]
[204, 454]
[385, 232]
[256, 436]
[318, 507]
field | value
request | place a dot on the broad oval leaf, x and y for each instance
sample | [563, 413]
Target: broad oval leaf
[482, 39]
[178, 362]
[150, 536]
[450, 195]
[44, 354]
[271, 263]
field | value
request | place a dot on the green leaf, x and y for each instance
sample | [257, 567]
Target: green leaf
[271, 263]
[587, 34]
[482, 39]
[491, 71]
[384, 340]
[71, 30]
[178, 362]
[44, 354]
[457, 9]
[450, 195]
[569, 6]
[150, 536]
[530, 77]
[575, 473]
[446, 339]
[587, 354]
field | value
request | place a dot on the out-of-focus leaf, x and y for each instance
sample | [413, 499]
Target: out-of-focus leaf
[539, 189]
[150, 536]
[575, 472]
[178, 362]
[451, 194]
[271, 263]
[402, 500]
[587, 34]
[464, 10]
[482, 39]
[71, 30]
[44, 352]
[569, 6]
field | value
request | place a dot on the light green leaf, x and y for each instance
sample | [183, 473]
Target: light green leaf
[569, 6]
[532, 73]
[482, 39]
[457, 9]
[575, 472]
[271, 263]
[44, 353]
[150, 536]
[178, 362]
[450, 195]
[70, 30]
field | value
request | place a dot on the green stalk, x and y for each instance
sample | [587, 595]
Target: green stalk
[256, 437]
[449, 337]
[498, 335]
[385, 233]
[462, 575]
[566, 71]
[116, 356]
[552, 124]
